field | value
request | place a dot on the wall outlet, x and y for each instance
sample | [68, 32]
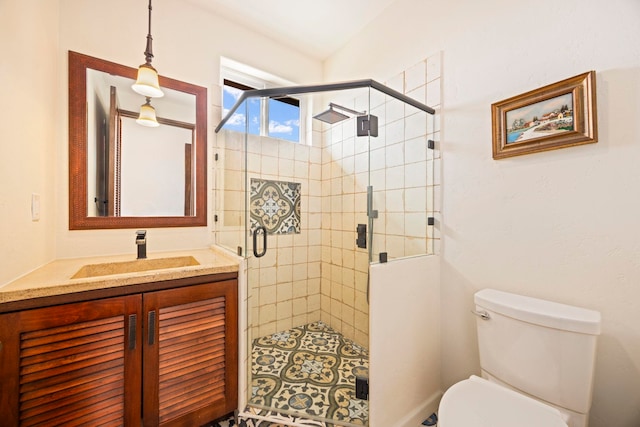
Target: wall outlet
[35, 207]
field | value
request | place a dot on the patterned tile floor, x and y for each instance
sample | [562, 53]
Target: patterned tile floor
[310, 371]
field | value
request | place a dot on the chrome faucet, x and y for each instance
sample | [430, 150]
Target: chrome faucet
[141, 242]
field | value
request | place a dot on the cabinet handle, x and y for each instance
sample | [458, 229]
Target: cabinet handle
[132, 331]
[151, 323]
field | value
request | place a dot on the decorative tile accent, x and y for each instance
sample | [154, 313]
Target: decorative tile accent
[310, 371]
[275, 205]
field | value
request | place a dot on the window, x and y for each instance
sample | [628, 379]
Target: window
[277, 118]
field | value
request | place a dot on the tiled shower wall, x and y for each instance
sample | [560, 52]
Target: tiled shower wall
[319, 274]
[284, 285]
[405, 176]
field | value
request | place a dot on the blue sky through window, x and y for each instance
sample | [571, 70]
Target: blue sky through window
[284, 118]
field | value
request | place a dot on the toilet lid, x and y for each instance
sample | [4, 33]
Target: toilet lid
[477, 402]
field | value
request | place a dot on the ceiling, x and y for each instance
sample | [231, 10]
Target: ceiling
[315, 27]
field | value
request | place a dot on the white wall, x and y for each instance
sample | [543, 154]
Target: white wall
[561, 225]
[187, 44]
[28, 132]
[404, 349]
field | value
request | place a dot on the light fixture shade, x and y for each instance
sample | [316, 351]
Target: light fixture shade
[147, 115]
[147, 83]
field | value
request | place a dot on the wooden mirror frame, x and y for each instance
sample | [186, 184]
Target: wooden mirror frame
[78, 192]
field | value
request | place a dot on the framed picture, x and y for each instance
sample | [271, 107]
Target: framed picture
[559, 115]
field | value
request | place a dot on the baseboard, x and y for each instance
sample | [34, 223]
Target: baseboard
[421, 413]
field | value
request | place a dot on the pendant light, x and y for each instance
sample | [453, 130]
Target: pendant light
[147, 83]
[147, 115]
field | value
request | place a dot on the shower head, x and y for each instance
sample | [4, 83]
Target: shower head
[332, 116]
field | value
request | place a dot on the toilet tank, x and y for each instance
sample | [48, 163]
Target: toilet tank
[542, 348]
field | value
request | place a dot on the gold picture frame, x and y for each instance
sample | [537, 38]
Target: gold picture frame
[559, 115]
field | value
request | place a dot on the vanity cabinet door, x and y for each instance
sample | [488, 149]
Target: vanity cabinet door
[72, 365]
[190, 354]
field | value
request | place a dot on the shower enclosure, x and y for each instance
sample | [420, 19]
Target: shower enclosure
[309, 218]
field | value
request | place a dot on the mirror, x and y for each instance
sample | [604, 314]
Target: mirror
[121, 174]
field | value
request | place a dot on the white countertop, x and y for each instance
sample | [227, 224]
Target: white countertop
[54, 278]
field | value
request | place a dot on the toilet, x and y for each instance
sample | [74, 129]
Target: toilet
[537, 361]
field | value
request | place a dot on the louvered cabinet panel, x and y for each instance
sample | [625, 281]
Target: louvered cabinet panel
[191, 338]
[72, 365]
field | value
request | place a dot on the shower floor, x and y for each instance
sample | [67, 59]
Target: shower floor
[310, 370]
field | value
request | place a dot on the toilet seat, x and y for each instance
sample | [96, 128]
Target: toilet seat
[476, 402]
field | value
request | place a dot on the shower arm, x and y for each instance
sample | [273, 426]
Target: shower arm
[293, 90]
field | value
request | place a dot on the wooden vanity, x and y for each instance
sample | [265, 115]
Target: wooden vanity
[145, 348]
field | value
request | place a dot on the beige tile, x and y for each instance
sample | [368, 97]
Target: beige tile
[313, 270]
[284, 291]
[315, 219]
[300, 271]
[395, 224]
[314, 316]
[300, 255]
[361, 302]
[300, 240]
[415, 174]
[284, 241]
[285, 274]
[300, 320]
[415, 246]
[299, 289]
[283, 310]
[267, 313]
[284, 256]
[313, 303]
[348, 315]
[268, 260]
[362, 339]
[348, 258]
[285, 168]
[362, 321]
[336, 309]
[313, 286]
[348, 277]
[267, 276]
[336, 290]
[395, 246]
[267, 329]
[336, 273]
[362, 260]
[299, 306]
[416, 224]
[416, 199]
[300, 169]
[326, 253]
[315, 253]
[286, 150]
[348, 296]
[336, 253]
[284, 324]
[268, 295]
[325, 303]
[348, 331]
[325, 317]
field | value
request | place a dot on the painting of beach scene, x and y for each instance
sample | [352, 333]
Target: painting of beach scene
[544, 118]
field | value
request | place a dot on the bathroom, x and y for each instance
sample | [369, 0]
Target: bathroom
[534, 225]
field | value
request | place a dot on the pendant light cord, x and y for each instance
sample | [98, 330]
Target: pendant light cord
[148, 53]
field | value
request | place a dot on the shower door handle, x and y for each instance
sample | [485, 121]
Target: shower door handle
[264, 241]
